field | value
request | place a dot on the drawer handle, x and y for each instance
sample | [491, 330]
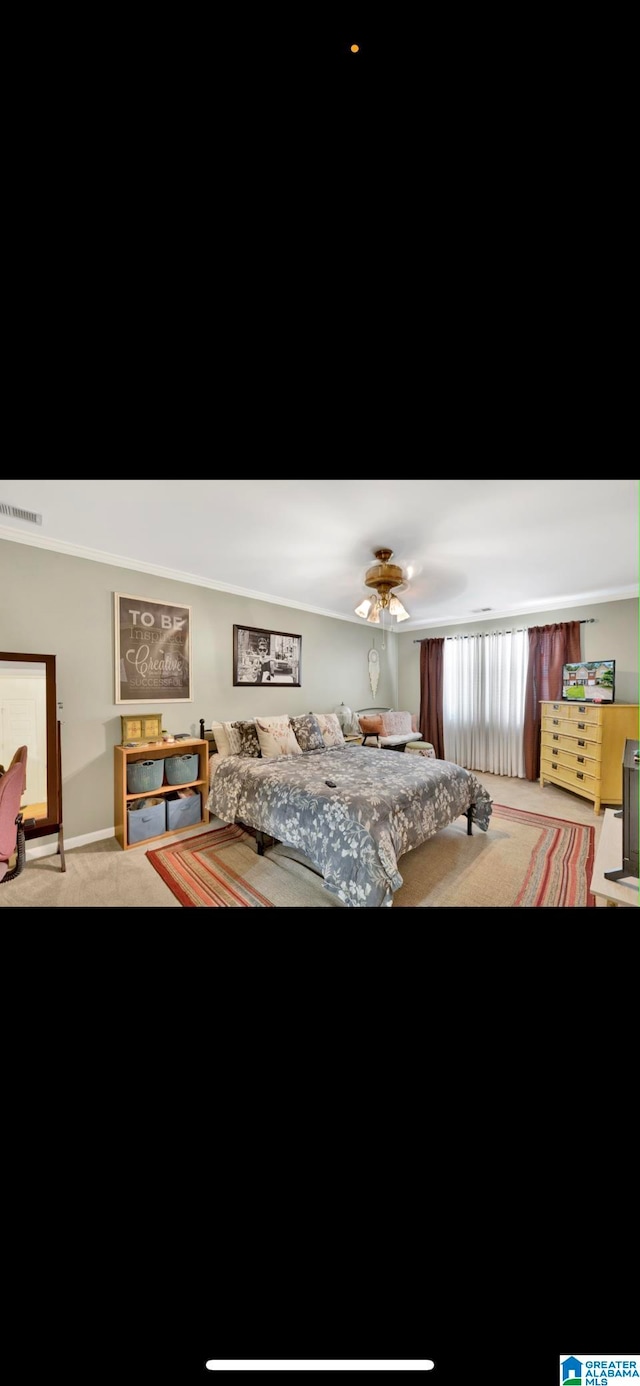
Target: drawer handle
[555, 706]
[579, 775]
[556, 722]
[553, 767]
[580, 760]
[555, 736]
[581, 726]
[582, 709]
[581, 743]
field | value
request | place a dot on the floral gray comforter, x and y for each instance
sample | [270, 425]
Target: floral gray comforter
[383, 804]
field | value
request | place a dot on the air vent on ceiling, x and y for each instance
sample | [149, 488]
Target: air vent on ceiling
[476, 609]
[17, 514]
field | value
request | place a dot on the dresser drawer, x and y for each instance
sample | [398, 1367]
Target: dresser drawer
[554, 742]
[571, 761]
[574, 779]
[578, 712]
[584, 712]
[564, 726]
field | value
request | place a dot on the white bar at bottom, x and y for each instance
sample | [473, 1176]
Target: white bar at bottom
[321, 1366]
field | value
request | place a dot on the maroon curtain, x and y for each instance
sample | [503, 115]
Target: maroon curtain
[431, 660]
[549, 648]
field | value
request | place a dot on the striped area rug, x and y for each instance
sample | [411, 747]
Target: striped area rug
[561, 863]
[222, 869]
[525, 859]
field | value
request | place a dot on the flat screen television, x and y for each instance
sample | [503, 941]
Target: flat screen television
[591, 681]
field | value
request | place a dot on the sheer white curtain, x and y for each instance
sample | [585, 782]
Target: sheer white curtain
[484, 680]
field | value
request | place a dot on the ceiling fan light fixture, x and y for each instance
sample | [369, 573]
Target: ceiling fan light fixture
[383, 576]
[397, 609]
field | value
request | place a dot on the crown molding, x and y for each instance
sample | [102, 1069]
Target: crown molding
[618, 594]
[172, 574]
[38, 541]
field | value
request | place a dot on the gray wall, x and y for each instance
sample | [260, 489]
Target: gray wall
[613, 636]
[56, 604]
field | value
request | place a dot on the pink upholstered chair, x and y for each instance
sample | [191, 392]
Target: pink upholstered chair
[12, 787]
[20, 757]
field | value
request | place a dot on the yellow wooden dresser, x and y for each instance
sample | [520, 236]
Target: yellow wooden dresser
[582, 745]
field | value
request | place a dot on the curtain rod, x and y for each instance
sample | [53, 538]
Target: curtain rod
[587, 621]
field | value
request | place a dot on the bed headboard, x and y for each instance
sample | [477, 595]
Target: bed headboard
[206, 734]
[371, 711]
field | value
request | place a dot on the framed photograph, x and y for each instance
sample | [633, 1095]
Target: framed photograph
[152, 651]
[266, 657]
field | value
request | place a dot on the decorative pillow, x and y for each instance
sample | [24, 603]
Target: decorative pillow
[371, 725]
[330, 728]
[307, 732]
[396, 723]
[271, 720]
[276, 738]
[227, 738]
[222, 740]
[233, 735]
[248, 744]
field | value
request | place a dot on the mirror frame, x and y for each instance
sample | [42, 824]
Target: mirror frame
[53, 820]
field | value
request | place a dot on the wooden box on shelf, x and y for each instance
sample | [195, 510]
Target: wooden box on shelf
[145, 726]
[125, 755]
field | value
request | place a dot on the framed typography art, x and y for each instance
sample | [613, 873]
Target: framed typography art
[152, 651]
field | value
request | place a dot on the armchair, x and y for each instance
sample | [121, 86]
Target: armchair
[12, 787]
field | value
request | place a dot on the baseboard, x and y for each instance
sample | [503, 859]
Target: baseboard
[50, 848]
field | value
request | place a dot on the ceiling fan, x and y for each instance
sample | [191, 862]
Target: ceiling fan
[386, 579]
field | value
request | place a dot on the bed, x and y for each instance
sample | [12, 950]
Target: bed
[350, 810]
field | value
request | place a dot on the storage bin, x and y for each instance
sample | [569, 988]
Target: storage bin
[145, 818]
[183, 812]
[143, 775]
[181, 769]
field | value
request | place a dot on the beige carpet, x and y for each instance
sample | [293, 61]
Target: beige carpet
[451, 869]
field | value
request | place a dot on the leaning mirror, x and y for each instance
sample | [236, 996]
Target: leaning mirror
[28, 717]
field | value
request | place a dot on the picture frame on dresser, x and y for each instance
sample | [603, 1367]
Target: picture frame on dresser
[141, 727]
